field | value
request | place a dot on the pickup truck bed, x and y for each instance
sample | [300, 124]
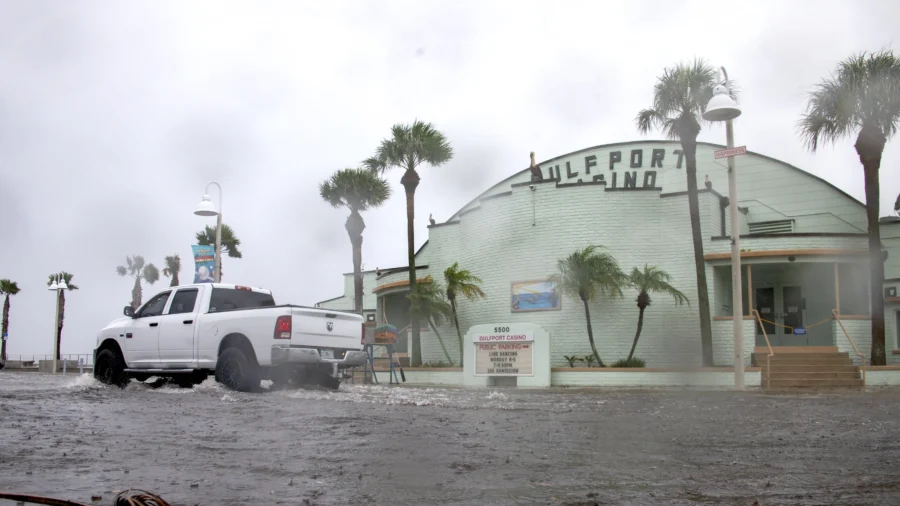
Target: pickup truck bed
[235, 332]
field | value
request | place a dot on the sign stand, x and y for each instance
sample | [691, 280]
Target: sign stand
[507, 354]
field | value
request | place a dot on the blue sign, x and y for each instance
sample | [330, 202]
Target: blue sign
[799, 332]
[5, 336]
[204, 263]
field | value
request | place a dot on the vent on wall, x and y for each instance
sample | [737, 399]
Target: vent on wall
[772, 227]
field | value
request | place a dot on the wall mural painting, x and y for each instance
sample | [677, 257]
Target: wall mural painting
[535, 295]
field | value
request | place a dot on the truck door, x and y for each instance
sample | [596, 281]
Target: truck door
[176, 335]
[142, 336]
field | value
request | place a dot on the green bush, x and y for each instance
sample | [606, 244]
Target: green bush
[572, 359]
[439, 363]
[634, 362]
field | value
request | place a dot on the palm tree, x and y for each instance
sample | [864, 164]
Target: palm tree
[427, 302]
[136, 268]
[651, 279]
[7, 288]
[357, 190]
[65, 276]
[409, 147]
[172, 268]
[461, 281]
[862, 95]
[586, 273]
[230, 242]
[679, 98]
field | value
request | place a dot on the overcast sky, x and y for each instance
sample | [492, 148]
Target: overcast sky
[114, 115]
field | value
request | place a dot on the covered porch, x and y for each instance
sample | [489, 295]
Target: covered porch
[796, 297]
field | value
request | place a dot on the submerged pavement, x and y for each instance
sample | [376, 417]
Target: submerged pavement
[71, 437]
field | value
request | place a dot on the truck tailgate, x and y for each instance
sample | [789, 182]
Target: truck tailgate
[321, 328]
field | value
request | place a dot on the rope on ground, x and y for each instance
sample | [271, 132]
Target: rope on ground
[126, 498]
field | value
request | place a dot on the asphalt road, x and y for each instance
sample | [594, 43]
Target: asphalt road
[72, 438]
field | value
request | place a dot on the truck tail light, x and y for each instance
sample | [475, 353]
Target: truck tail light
[362, 338]
[283, 327]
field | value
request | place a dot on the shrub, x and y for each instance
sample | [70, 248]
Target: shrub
[438, 363]
[634, 362]
[572, 359]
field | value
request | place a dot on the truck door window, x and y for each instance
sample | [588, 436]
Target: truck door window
[183, 301]
[155, 306]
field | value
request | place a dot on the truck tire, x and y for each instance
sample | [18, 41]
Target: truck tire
[110, 369]
[236, 372]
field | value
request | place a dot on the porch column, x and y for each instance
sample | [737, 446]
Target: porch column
[749, 290]
[837, 289]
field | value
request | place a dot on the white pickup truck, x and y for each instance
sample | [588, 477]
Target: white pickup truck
[236, 332]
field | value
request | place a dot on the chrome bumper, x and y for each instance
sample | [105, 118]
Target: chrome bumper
[287, 355]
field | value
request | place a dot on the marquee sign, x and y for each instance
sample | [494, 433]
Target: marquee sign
[504, 353]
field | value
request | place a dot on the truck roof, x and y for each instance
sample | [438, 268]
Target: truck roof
[228, 286]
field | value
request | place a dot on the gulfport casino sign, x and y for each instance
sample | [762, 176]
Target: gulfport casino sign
[606, 170]
[504, 353]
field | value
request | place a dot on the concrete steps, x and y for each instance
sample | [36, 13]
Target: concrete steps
[813, 368]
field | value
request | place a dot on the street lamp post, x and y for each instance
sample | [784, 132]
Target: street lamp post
[722, 107]
[58, 285]
[205, 208]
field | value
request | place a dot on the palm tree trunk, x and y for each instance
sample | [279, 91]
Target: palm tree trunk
[689, 146]
[136, 293]
[4, 328]
[174, 279]
[441, 341]
[62, 316]
[458, 332]
[410, 181]
[587, 316]
[869, 146]
[637, 334]
[355, 226]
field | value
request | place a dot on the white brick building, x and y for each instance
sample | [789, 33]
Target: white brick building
[803, 241]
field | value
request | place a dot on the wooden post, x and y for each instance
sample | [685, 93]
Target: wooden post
[749, 290]
[837, 289]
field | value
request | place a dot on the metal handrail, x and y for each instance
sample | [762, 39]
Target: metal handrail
[862, 358]
[768, 344]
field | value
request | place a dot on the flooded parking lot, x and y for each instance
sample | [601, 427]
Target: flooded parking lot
[71, 437]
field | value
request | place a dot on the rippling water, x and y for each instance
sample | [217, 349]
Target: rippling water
[72, 437]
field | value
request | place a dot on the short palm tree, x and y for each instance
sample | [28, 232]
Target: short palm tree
[409, 147]
[357, 190]
[230, 243]
[651, 279]
[861, 98]
[7, 288]
[679, 98]
[461, 282]
[587, 273]
[428, 303]
[65, 276]
[136, 268]
[172, 268]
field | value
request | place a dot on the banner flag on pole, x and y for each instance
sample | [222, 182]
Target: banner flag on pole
[204, 263]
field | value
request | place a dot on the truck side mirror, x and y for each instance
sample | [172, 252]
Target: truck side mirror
[128, 311]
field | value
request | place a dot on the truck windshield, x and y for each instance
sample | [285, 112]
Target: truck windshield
[224, 299]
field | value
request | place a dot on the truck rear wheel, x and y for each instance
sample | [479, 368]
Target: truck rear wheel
[236, 372]
[110, 369]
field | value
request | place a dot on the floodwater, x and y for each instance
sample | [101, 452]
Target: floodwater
[71, 437]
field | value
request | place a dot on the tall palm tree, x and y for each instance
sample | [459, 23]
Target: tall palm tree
[651, 279]
[586, 273]
[172, 268]
[427, 302]
[136, 268]
[7, 288]
[409, 147]
[862, 97]
[461, 282]
[679, 99]
[65, 276]
[230, 242]
[357, 190]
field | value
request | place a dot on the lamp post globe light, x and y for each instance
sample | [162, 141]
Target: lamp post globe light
[58, 285]
[722, 107]
[206, 208]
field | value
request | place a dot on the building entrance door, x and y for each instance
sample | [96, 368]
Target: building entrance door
[780, 305]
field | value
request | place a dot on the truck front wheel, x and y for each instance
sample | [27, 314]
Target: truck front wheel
[236, 372]
[110, 369]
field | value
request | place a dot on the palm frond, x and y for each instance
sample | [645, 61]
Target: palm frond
[653, 279]
[427, 301]
[462, 281]
[588, 272]
[9, 287]
[680, 96]
[409, 146]
[356, 189]
[230, 241]
[150, 273]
